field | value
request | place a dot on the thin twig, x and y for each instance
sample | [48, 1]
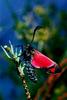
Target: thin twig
[27, 92]
[26, 88]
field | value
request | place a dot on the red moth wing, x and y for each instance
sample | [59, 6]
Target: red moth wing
[52, 69]
[41, 61]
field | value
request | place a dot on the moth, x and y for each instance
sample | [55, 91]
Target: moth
[35, 59]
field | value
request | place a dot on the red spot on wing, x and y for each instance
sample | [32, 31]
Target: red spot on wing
[52, 70]
[41, 61]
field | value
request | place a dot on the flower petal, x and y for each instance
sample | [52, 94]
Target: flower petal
[11, 46]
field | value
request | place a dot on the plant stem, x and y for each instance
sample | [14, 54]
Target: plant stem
[27, 92]
[26, 88]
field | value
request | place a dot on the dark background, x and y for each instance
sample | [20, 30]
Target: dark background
[18, 18]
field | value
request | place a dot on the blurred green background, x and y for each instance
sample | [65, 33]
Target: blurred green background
[18, 18]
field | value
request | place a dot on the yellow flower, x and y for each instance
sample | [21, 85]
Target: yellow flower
[42, 34]
[39, 10]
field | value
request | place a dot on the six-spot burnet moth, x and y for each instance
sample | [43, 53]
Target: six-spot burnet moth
[34, 59]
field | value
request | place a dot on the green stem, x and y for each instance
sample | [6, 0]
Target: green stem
[27, 92]
[26, 88]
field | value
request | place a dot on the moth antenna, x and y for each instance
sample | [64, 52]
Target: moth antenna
[37, 28]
